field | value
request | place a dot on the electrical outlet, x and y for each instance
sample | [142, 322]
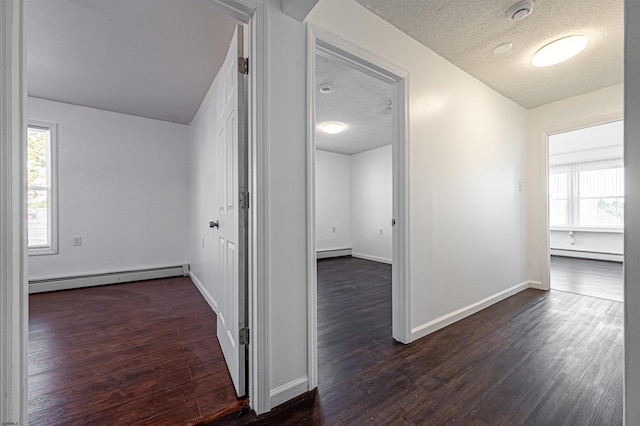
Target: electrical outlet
[520, 186]
[77, 240]
[380, 231]
[333, 229]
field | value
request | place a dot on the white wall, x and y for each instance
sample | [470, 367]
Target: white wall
[203, 193]
[122, 186]
[598, 107]
[632, 219]
[466, 157]
[372, 204]
[333, 205]
[286, 244]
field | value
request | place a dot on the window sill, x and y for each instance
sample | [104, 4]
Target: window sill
[600, 229]
[46, 251]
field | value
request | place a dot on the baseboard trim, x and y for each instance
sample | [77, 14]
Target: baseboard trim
[450, 318]
[290, 390]
[93, 280]
[373, 258]
[325, 254]
[537, 285]
[210, 300]
[611, 257]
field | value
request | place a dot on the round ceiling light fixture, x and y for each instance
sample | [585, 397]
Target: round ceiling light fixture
[520, 10]
[325, 88]
[332, 127]
[559, 51]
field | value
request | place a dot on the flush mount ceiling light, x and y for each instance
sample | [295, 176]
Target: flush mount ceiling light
[332, 127]
[520, 10]
[559, 51]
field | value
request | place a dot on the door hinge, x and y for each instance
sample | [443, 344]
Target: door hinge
[243, 65]
[244, 200]
[244, 336]
[393, 222]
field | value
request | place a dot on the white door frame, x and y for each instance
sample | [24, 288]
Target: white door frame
[545, 236]
[13, 254]
[330, 45]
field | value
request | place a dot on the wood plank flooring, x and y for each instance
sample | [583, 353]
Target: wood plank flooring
[136, 353]
[537, 358]
[588, 277]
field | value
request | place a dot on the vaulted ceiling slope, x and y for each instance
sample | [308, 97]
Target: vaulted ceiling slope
[466, 32]
[150, 58]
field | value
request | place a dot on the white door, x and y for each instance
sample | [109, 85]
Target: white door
[232, 213]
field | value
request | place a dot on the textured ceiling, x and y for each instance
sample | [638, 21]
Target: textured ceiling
[466, 32]
[150, 58]
[359, 101]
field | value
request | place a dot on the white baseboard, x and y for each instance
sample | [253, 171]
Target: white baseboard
[290, 390]
[374, 258]
[450, 318]
[537, 285]
[210, 300]
[325, 254]
[611, 257]
[92, 280]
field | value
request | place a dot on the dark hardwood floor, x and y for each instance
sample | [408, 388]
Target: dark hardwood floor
[588, 277]
[134, 354]
[537, 358]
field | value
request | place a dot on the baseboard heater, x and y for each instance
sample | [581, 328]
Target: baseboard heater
[92, 280]
[594, 255]
[324, 254]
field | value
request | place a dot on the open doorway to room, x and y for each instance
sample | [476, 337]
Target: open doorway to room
[586, 211]
[136, 168]
[354, 213]
[358, 296]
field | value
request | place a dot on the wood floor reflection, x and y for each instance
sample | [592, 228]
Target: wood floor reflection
[595, 278]
[536, 358]
[136, 353]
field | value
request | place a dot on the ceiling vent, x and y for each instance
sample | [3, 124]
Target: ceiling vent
[520, 10]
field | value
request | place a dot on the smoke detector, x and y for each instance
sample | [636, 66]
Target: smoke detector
[520, 10]
[325, 88]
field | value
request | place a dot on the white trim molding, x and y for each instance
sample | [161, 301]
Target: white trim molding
[326, 254]
[450, 318]
[13, 275]
[208, 297]
[537, 285]
[259, 289]
[372, 258]
[92, 280]
[290, 390]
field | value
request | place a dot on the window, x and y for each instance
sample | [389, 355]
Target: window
[41, 189]
[589, 194]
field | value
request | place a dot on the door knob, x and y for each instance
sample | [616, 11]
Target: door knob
[214, 224]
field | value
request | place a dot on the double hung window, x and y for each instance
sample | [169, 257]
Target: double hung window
[41, 189]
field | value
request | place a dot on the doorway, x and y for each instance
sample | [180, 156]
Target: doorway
[354, 212]
[382, 239]
[586, 210]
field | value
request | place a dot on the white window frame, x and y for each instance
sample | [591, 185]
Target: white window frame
[52, 179]
[573, 196]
